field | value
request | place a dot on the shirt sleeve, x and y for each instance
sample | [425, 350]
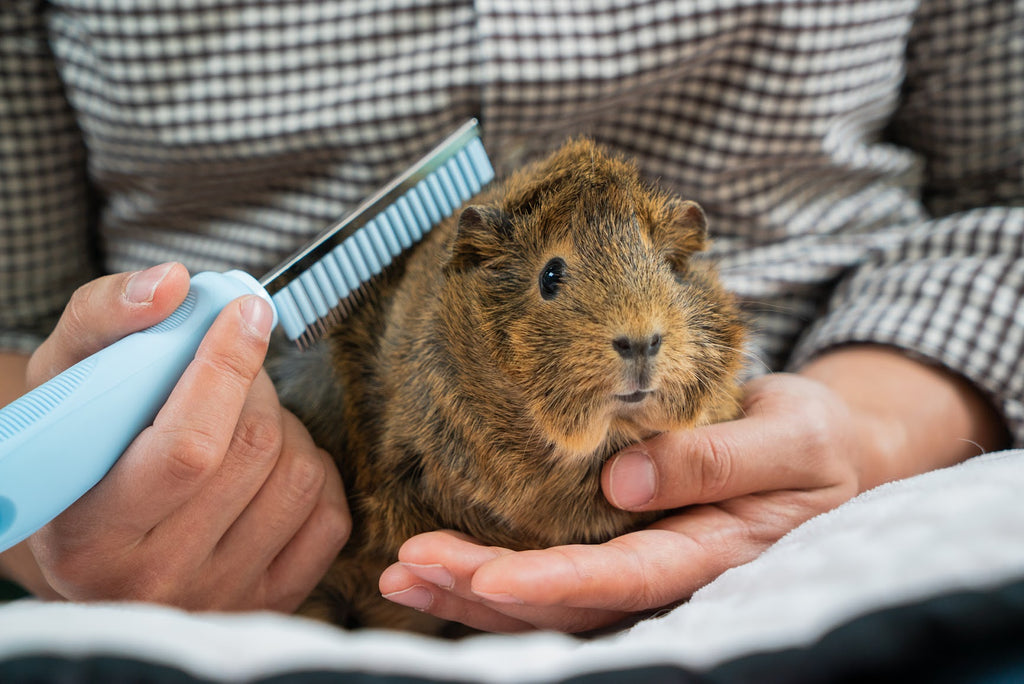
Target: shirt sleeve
[46, 248]
[951, 289]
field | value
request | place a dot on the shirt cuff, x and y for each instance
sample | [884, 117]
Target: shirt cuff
[951, 294]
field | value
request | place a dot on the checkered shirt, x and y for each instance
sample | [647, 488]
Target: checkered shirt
[861, 162]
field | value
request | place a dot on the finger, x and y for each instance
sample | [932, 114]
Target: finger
[634, 573]
[399, 584]
[251, 456]
[453, 563]
[780, 443]
[613, 576]
[106, 309]
[447, 558]
[282, 505]
[172, 459]
[310, 552]
[654, 567]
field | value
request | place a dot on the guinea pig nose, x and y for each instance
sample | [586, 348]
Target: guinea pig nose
[632, 348]
[654, 344]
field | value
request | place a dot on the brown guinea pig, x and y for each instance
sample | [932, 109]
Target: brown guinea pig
[557, 318]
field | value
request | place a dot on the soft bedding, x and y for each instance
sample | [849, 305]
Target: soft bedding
[919, 579]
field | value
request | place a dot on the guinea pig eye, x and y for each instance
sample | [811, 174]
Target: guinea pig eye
[551, 278]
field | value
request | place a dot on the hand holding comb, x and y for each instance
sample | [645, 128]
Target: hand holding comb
[52, 448]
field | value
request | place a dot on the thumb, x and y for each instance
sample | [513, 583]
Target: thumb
[784, 440]
[103, 311]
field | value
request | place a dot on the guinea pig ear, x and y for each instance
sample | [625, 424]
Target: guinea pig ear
[480, 237]
[683, 228]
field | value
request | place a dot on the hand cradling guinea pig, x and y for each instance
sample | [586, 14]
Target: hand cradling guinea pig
[492, 370]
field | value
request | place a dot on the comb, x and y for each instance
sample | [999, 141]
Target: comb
[317, 286]
[60, 439]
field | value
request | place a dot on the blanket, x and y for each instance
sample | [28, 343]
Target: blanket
[926, 572]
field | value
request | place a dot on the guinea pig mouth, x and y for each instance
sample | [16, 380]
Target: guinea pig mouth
[635, 397]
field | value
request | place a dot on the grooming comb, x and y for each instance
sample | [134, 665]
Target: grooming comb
[60, 439]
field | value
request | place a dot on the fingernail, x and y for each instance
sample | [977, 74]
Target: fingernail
[141, 287]
[416, 597]
[633, 480]
[435, 573]
[257, 316]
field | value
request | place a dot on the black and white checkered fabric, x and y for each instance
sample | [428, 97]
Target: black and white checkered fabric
[861, 162]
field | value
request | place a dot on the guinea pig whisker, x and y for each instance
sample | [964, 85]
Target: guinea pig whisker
[744, 352]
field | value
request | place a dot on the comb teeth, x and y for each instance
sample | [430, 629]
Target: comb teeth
[318, 287]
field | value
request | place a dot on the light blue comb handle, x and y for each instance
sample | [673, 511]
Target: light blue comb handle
[61, 438]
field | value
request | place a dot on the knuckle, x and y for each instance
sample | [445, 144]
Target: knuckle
[817, 438]
[817, 420]
[644, 598]
[192, 458]
[75, 319]
[237, 368]
[336, 524]
[713, 467]
[304, 480]
[258, 435]
[637, 569]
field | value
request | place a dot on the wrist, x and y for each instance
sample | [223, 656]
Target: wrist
[911, 417]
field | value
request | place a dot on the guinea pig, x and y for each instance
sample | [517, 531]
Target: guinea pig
[556, 318]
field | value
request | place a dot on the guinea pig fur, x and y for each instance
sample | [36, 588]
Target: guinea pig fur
[494, 368]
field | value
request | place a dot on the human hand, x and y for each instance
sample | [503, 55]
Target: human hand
[743, 484]
[804, 445]
[224, 502]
